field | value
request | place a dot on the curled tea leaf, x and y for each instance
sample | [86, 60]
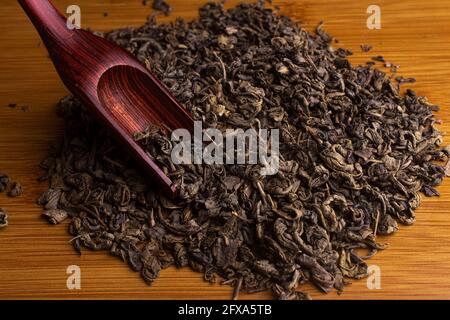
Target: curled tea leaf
[55, 216]
[15, 190]
[3, 218]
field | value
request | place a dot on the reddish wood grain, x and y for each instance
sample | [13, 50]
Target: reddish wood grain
[116, 87]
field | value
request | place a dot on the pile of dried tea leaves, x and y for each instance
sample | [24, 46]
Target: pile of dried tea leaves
[354, 155]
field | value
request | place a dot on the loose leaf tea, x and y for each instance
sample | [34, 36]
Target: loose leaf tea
[3, 218]
[16, 190]
[366, 47]
[4, 180]
[4, 185]
[162, 5]
[12, 188]
[354, 155]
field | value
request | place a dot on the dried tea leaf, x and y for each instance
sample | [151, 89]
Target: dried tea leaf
[15, 190]
[4, 180]
[3, 218]
[162, 5]
[55, 216]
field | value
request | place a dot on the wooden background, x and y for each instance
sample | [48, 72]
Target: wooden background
[34, 255]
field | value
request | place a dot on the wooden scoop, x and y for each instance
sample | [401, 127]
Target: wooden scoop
[116, 87]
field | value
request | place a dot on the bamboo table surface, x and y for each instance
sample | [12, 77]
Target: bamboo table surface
[34, 256]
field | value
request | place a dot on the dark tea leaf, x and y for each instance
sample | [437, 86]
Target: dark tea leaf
[4, 181]
[15, 190]
[161, 5]
[3, 218]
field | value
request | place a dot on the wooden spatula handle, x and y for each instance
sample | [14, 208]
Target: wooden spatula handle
[110, 82]
[50, 24]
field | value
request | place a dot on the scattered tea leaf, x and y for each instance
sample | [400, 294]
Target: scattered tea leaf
[3, 218]
[161, 5]
[15, 190]
[366, 47]
[4, 180]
